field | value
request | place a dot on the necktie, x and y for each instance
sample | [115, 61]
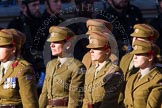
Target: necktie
[96, 71]
[138, 78]
[2, 73]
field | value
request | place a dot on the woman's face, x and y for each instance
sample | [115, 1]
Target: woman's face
[6, 53]
[141, 60]
[98, 54]
[57, 48]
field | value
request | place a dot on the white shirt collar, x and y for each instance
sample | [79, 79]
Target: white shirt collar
[99, 67]
[62, 60]
[7, 64]
[146, 71]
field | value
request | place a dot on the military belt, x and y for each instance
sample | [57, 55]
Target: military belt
[10, 106]
[58, 102]
[95, 105]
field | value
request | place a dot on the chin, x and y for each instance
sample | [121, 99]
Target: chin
[54, 54]
[136, 66]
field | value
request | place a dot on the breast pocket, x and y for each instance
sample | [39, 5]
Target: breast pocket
[141, 95]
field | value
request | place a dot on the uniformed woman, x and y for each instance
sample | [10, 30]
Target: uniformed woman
[144, 89]
[17, 78]
[103, 80]
[63, 85]
[104, 27]
[142, 32]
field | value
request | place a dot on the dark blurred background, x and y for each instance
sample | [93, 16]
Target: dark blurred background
[10, 9]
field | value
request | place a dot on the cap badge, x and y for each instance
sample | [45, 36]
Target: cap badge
[53, 34]
[136, 30]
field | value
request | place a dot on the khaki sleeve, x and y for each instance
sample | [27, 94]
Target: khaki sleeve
[76, 88]
[155, 97]
[43, 99]
[27, 85]
[112, 90]
[85, 100]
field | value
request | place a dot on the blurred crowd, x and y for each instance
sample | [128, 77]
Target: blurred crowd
[110, 58]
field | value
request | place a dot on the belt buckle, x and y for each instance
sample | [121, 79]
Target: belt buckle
[50, 102]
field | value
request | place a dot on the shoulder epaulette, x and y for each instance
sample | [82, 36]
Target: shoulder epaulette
[24, 63]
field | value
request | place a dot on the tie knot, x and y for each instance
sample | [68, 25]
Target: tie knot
[2, 68]
[2, 72]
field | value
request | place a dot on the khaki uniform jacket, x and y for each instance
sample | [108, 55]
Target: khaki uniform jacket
[124, 65]
[104, 88]
[146, 93]
[64, 82]
[22, 91]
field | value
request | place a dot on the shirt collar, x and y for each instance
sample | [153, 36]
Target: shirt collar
[7, 64]
[146, 71]
[99, 67]
[62, 60]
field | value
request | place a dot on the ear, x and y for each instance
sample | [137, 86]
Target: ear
[151, 57]
[68, 44]
[14, 49]
[108, 51]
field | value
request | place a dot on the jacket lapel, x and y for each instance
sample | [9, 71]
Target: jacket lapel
[61, 69]
[64, 67]
[100, 73]
[8, 73]
[141, 82]
[146, 78]
[131, 83]
[103, 70]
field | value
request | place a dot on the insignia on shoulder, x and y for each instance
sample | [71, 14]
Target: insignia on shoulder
[53, 34]
[136, 30]
[10, 83]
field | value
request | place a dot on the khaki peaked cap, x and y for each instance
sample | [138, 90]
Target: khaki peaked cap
[12, 36]
[97, 39]
[58, 33]
[145, 31]
[98, 25]
[142, 47]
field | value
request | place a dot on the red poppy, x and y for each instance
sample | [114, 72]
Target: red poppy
[15, 64]
[67, 38]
